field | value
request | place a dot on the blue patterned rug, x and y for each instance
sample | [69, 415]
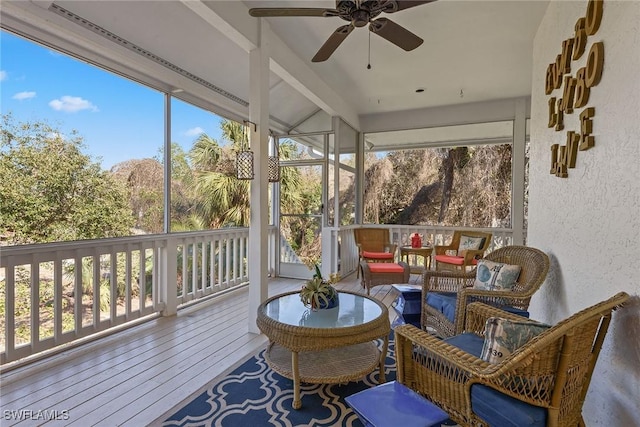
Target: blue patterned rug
[254, 395]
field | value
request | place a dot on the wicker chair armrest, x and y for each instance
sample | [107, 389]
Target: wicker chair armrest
[441, 249]
[469, 295]
[446, 281]
[478, 313]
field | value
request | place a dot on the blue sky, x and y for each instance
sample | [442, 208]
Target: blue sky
[117, 118]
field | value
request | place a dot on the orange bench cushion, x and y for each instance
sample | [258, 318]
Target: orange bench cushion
[456, 260]
[385, 267]
[377, 255]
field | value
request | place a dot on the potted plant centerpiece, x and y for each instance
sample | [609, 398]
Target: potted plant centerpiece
[319, 293]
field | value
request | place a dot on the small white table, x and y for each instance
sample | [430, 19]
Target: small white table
[326, 346]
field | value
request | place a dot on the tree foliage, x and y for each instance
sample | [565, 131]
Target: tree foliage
[462, 186]
[144, 181]
[51, 191]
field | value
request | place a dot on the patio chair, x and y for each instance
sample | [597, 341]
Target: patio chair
[463, 251]
[446, 294]
[540, 383]
[374, 245]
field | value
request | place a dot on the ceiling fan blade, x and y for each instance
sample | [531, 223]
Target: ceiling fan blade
[396, 34]
[391, 6]
[332, 43]
[266, 12]
[406, 4]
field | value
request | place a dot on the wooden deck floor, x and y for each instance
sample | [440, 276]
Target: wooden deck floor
[133, 377]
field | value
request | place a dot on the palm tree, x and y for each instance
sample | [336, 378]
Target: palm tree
[222, 199]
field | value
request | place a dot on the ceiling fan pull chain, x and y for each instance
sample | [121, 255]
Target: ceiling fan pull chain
[369, 63]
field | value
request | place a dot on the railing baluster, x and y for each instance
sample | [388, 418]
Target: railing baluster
[212, 265]
[203, 268]
[142, 279]
[194, 269]
[78, 293]
[34, 285]
[96, 292]
[10, 298]
[113, 288]
[57, 301]
[220, 255]
[236, 259]
[227, 276]
[127, 282]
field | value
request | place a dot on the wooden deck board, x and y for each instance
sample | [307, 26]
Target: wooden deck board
[134, 376]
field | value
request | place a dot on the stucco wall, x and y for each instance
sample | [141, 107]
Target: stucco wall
[589, 223]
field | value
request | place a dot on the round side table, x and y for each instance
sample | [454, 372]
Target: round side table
[407, 252]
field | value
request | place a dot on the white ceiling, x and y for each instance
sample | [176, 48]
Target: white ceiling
[483, 48]
[473, 51]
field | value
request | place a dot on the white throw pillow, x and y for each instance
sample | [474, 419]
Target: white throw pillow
[495, 276]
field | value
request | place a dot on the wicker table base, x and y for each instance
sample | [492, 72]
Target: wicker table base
[332, 366]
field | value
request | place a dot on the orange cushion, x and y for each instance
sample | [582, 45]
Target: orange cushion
[456, 260]
[385, 267]
[377, 255]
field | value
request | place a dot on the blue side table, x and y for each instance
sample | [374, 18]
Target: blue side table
[407, 305]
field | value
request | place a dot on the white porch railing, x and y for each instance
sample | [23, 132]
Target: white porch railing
[401, 235]
[53, 294]
[57, 293]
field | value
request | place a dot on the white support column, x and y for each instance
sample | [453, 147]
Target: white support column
[360, 179]
[259, 141]
[518, 171]
[167, 163]
[168, 278]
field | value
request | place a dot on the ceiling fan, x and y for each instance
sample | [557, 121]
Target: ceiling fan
[359, 13]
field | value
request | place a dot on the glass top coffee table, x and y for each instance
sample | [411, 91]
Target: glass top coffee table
[326, 346]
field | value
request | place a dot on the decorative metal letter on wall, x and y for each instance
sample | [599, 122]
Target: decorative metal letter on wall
[575, 93]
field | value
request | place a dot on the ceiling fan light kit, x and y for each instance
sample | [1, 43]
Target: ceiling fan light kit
[358, 13]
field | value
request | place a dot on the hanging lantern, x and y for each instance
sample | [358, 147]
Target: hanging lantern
[274, 169]
[274, 163]
[244, 165]
[244, 158]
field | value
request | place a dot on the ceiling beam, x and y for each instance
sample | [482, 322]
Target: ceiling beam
[232, 18]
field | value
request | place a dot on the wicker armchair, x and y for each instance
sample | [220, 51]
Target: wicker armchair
[374, 245]
[461, 260]
[444, 311]
[549, 375]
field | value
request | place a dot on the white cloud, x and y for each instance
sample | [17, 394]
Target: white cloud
[20, 96]
[196, 131]
[3, 75]
[72, 104]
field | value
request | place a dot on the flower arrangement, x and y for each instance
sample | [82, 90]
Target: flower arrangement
[319, 293]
